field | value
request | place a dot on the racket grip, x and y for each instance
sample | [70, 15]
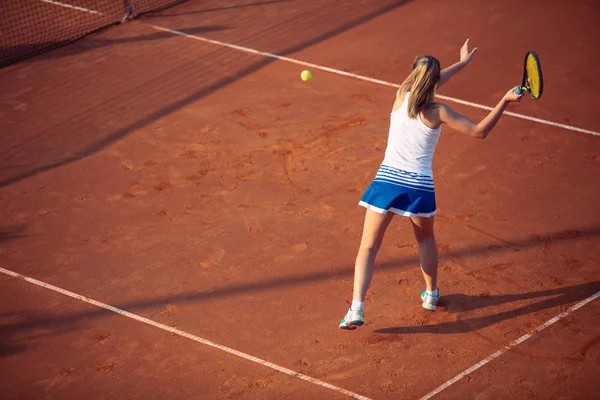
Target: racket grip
[518, 90]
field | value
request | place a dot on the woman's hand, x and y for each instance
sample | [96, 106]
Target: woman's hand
[511, 95]
[465, 54]
[465, 58]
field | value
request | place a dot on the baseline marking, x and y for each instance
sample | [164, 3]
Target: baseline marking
[510, 346]
[183, 334]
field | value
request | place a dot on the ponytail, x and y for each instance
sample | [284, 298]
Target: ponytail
[422, 82]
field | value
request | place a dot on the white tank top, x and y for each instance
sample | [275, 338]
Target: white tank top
[411, 143]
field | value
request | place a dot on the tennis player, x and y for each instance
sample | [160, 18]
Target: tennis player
[403, 184]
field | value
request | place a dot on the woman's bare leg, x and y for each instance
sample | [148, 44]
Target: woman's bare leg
[424, 233]
[373, 231]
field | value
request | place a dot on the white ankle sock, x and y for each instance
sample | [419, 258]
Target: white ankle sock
[357, 305]
[433, 293]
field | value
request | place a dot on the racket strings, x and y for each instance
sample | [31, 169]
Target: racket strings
[533, 76]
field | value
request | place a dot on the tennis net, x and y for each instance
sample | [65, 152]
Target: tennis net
[31, 27]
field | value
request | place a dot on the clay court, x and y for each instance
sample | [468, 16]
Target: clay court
[179, 216]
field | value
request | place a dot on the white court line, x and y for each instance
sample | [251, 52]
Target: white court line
[183, 334]
[336, 71]
[367, 79]
[510, 346]
[283, 369]
[57, 3]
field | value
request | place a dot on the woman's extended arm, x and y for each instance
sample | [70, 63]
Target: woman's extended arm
[465, 59]
[479, 130]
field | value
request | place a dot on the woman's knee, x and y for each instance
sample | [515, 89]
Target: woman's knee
[423, 229]
[370, 248]
[427, 239]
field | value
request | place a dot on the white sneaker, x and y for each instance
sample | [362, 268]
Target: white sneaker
[429, 301]
[352, 320]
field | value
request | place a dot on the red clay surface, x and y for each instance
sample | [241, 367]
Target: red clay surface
[214, 191]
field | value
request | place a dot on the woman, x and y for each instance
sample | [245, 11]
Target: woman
[404, 183]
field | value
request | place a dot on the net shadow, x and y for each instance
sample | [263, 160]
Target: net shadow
[84, 111]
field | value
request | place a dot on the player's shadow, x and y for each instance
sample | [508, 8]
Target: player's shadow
[462, 304]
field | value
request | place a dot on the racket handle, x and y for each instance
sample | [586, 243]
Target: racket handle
[518, 90]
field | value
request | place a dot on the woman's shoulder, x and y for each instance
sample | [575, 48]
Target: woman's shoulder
[440, 109]
[433, 114]
[437, 107]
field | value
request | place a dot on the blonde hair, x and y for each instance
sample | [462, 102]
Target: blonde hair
[422, 84]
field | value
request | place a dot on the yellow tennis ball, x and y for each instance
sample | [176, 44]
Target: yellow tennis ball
[305, 75]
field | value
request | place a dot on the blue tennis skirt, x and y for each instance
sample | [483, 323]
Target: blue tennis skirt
[404, 193]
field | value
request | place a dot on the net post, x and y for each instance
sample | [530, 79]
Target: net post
[128, 11]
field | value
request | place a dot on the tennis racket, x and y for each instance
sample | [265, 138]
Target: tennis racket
[533, 82]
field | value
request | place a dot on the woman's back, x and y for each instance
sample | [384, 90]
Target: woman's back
[411, 143]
